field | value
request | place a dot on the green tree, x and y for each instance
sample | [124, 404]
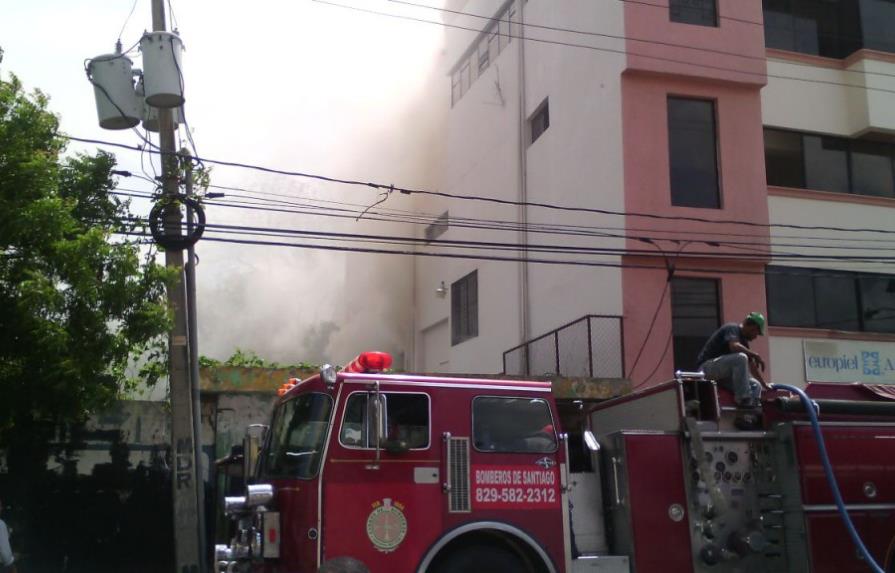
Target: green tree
[78, 303]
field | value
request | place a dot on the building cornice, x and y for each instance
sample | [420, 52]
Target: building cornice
[830, 63]
[815, 195]
[824, 333]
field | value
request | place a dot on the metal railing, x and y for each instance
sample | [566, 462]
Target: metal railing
[591, 346]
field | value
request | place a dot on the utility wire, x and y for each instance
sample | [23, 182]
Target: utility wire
[494, 200]
[472, 256]
[128, 19]
[624, 52]
[541, 248]
[352, 214]
[762, 58]
[428, 218]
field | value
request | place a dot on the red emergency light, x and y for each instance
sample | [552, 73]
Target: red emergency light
[370, 362]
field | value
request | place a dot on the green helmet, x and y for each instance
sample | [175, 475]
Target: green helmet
[758, 319]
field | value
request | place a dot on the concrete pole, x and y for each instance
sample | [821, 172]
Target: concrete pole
[192, 314]
[186, 527]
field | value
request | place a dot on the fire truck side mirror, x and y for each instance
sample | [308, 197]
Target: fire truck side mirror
[591, 442]
[251, 447]
[376, 415]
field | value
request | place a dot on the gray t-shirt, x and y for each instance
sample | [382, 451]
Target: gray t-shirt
[718, 343]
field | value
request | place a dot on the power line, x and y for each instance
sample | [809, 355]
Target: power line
[566, 208]
[603, 49]
[762, 58]
[539, 248]
[471, 256]
[351, 214]
[128, 19]
[428, 218]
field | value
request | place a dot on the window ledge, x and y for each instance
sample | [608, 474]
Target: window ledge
[816, 195]
[831, 63]
[798, 332]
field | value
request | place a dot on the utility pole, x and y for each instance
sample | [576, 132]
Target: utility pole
[192, 314]
[188, 554]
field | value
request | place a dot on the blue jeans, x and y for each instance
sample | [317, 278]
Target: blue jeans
[731, 371]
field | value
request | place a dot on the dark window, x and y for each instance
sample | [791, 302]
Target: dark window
[834, 302]
[694, 317]
[693, 153]
[297, 435]
[790, 297]
[540, 121]
[876, 24]
[872, 169]
[830, 28]
[512, 425]
[438, 227]
[878, 298]
[838, 300]
[465, 308]
[406, 420]
[783, 158]
[827, 163]
[779, 24]
[700, 12]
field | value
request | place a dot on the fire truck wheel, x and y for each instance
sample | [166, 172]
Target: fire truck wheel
[491, 558]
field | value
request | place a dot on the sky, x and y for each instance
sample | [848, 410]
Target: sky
[290, 84]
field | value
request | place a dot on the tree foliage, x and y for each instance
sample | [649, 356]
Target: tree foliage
[79, 303]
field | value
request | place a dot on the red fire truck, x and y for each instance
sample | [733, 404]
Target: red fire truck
[411, 473]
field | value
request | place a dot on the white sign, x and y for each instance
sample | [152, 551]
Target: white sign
[849, 361]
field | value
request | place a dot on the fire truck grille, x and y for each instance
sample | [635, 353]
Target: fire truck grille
[458, 466]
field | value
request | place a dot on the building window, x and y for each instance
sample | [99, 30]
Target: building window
[695, 315]
[833, 29]
[539, 122]
[826, 163]
[438, 227]
[699, 12]
[483, 52]
[836, 300]
[783, 158]
[693, 153]
[465, 308]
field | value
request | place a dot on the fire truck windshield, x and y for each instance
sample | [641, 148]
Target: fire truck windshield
[297, 436]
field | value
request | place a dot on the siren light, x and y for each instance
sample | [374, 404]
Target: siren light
[370, 362]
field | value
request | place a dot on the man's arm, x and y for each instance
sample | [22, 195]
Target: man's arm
[6, 558]
[754, 357]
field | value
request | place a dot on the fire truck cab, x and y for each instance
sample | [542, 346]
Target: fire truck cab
[413, 474]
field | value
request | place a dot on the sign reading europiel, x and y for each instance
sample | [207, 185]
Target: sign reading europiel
[849, 361]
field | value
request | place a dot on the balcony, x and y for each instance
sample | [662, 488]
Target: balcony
[590, 347]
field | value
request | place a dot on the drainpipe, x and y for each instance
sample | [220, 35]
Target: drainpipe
[524, 296]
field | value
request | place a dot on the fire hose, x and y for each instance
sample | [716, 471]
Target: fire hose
[812, 409]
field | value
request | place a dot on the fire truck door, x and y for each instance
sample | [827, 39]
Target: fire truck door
[515, 467]
[382, 504]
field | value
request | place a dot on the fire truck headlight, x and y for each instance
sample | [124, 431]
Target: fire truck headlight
[234, 505]
[258, 494]
[328, 374]
[222, 553]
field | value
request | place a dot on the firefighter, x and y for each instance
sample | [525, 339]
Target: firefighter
[727, 359]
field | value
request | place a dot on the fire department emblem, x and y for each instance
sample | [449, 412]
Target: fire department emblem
[386, 525]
